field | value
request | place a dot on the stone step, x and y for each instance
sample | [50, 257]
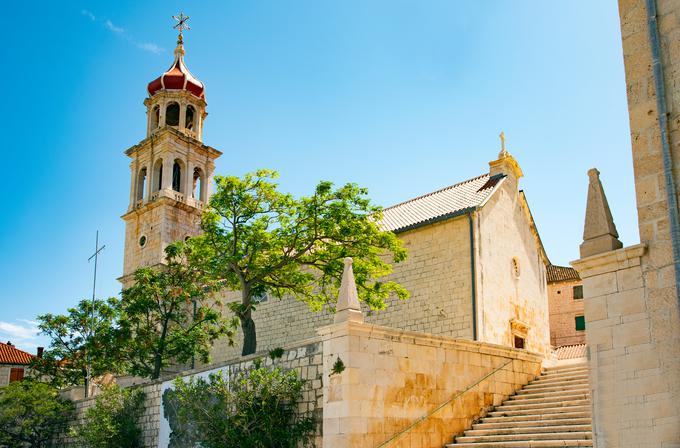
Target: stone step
[547, 376]
[558, 393]
[538, 406]
[560, 388]
[541, 380]
[512, 422]
[567, 368]
[533, 412]
[525, 444]
[580, 435]
[569, 383]
[512, 429]
[582, 414]
[530, 399]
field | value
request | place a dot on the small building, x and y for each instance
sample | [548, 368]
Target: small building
[565, 303]
[13, 363]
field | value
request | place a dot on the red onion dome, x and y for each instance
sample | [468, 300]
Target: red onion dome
[178, 77]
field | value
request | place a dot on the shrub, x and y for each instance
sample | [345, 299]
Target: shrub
[254, 409]
[32, 414]
[113, 421]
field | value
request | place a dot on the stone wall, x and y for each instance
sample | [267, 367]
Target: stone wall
[306, 358]
[563, 311]
[436, 273]
[392, 378]
[631, 307]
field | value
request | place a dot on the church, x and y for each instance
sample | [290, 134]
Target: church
[476, 268]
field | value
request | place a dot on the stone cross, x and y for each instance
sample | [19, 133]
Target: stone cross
[599, 230]
[348, 307]
[504, 152]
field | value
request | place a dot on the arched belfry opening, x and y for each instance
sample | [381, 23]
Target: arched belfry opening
[155, 117]
[190, 119]
[177, 176]
[141, 184]
[158, 175]
[172, 114]
[197, 188]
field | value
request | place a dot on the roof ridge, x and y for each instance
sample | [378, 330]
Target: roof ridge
[435, 192]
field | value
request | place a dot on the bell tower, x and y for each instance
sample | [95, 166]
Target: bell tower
[171, 170]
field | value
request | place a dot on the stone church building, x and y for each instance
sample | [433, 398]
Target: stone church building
[475, 269]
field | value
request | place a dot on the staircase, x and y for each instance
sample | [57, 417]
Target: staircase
[551, 411]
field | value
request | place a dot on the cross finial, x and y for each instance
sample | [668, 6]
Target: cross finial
[181, 24]
[504, 152]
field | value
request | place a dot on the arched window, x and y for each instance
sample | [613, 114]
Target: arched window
[141, 183]
[172, 114]
[155, 116]
[189, 122]
[177, 176]
[158, 175]
[197, 189]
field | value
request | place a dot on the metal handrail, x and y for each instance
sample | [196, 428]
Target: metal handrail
[442, 406]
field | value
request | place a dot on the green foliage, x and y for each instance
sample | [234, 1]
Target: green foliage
[338, 367]
[113, 421]
[276, 353]
[32, 414]
[64, 361]
[170, 314]
[255, 409]
[259, 240]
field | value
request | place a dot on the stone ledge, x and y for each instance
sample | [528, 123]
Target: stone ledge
[611, 261]
[424, 339]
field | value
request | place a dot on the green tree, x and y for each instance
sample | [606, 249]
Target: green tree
[87, 333]
[113, 421]
[32, 414]
[256, 408]
[170, 315]
[259, 241]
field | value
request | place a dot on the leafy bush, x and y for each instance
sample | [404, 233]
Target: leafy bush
[113, 421]
[32, 414]
[255, 409]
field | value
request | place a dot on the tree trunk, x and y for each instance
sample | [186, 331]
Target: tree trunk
[249, 334]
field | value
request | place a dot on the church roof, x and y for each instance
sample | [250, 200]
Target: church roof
[9, 354]
[561, 273]
[177, 77]
[441, 204]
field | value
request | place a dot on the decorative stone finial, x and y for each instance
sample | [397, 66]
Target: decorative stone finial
[599, 231]
[348, 307]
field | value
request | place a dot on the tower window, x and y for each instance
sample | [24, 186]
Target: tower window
[172, 114]
[158, 175]
[141, 183]
[189, 121]
[155, 117]
[197, 188]
[176, 176]
[142, 241]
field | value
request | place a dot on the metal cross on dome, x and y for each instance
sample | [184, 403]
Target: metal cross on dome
[181, 22]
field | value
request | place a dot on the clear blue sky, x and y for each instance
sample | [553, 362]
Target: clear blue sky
[402, 97]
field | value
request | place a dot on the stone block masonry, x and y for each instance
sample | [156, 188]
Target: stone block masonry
[401, 388]
[306, 358]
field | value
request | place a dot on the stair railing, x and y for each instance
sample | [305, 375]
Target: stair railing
[404, 431]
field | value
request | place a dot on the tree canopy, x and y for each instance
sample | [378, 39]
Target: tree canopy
[258, 240]
[169, 315]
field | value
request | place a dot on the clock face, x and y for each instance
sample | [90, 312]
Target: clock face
[142, 240]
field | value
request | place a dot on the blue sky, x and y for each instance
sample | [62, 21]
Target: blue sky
[402, 97]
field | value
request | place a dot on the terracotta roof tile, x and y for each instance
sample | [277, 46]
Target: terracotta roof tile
[439, 204]
[571, 351]
[561, 274]
[9, 354]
